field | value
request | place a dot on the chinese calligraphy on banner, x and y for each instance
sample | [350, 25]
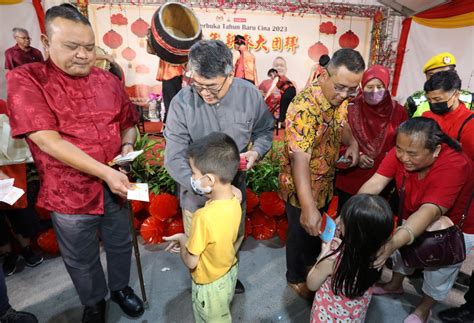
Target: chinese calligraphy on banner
[269, 35]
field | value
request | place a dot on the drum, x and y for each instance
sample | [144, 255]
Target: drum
[174, 29]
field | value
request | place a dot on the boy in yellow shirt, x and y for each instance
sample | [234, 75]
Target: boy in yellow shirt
[209, 252]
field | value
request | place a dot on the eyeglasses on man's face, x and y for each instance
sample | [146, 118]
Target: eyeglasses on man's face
[23, 37]
[214, 90]
[341, 89]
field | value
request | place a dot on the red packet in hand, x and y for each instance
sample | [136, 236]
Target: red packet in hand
[327, 230]
[243, 163]
[343, 163]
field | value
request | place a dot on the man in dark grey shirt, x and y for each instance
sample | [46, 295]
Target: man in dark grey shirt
[216, 101]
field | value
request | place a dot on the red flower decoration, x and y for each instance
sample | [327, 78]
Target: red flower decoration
[112, 39]
[140, 27]
[129, 54]
[263, 227]
[271, 204]
[43, 214]
[163, 206]
[176, 226]
[317, 50]
[118, 19]
[248, 226]
[152, 230]
[282, 228]
[327, 28]
[252, 200]
[349, 40]
[47, 242]
[137, 206]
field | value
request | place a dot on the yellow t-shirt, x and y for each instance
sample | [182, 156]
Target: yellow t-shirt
[214, 230]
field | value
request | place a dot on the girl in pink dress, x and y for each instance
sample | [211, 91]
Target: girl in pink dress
[343, 275]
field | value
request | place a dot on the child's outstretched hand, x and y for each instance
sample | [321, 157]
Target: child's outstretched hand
[176, 241]
[329, 247]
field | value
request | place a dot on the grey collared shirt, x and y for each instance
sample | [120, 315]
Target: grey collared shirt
[241, 113]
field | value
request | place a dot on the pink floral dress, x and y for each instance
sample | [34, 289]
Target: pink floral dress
[331, 308]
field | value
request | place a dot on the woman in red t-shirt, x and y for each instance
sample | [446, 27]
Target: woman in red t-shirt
[287, 90]
[438, 180]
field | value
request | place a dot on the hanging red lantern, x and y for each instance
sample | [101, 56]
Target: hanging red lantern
[129, 54]
[112, 39]
[271, 204]
[349, 40]
[317, 50]
[163, 206]
[175, 226]
[47, 242]
[152, 230]
[252, 200]
[140, 29]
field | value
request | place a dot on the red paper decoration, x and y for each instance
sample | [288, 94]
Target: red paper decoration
[271, 204]
[140, 27]
[118, 19]
[175, 226]
[332, 208]
[252, 200]
[129, 54]
[327, 28]
[282, 229]
[112, 39]
[263, 227]
[137, 206]
[317, 50]
[163, 206]
[349, 40]
[47, 242]
[152, 230]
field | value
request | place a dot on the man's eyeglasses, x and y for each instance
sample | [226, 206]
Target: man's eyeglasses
[23, 38]
[212, 90]
[340, 89]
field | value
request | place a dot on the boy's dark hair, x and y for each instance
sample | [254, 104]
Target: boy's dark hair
[239, 40]
[445, 80]
[216, 154]
[272, 70]
[368, 224]
[65, 11]
[349, 58]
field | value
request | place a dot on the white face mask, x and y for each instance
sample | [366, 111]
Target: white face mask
[197, 188]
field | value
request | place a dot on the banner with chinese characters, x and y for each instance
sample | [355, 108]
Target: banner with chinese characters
[299, 41]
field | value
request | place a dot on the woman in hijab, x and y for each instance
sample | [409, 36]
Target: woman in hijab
[374, 118]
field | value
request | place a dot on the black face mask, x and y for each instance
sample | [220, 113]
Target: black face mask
[440, 107]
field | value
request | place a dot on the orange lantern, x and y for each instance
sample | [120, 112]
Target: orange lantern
[140, 29]
[113, 40]
[129, 54]
[317, 50]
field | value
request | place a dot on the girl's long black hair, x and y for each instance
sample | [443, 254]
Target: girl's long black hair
[368, 224]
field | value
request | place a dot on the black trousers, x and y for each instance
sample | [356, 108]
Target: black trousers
[469, 296]
[302, 250]
[170, 89]
[4, 305]
[285, 101]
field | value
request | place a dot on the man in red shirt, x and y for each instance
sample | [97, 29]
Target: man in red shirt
[82, 120]
[22, 52]
[442, 91]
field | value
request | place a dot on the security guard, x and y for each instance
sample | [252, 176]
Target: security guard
[417, 103]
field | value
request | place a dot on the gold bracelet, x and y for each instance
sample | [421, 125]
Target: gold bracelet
[410, 232]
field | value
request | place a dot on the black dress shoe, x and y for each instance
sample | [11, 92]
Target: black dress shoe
[128, 301]
[239, 287]
[94, 313]
[458, 314]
